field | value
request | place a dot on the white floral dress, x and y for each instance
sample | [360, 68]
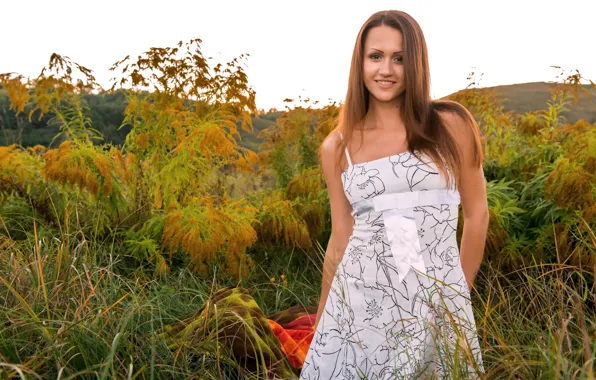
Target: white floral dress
[399, 306]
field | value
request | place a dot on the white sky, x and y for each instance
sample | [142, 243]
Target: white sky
[304, 47]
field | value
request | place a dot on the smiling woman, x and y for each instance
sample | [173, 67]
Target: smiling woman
[383, 70]
[395, 300]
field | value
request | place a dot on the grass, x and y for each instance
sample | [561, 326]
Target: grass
[71, 308]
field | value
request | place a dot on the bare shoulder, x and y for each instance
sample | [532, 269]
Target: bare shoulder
[464, 130]
[331, 142]
[459, 122]
[329, 152]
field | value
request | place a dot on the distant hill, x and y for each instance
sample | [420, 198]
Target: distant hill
[525, 97]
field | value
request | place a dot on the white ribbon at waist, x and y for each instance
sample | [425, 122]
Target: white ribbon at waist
[400, 223]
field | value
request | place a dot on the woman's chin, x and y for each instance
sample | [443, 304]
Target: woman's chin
[385, 98]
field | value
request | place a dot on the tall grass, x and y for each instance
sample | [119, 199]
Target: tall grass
[71, 308]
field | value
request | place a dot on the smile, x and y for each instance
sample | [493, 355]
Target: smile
[385, 83]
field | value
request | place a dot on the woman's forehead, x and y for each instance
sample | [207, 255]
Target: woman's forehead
[385, 39]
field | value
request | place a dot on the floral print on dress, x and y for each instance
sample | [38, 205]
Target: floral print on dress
[375, 325]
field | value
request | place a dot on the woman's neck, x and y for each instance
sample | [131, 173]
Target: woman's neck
[383, 115]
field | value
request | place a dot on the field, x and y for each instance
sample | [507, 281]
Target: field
[105, 247]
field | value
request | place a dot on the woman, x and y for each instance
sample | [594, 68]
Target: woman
[395, 300]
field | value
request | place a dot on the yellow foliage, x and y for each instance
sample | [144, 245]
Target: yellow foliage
[579, 142]
[531, 123]
[265, 157]
[104, 168]
[180, 145]
[49, 90]
[5, 152]
[18, 93]
[589, 214]
[46, 91]
[217, 142]
[499, 140]
[146, 111]
[310, 181]
[203, 230]
[295, 123]
[182, 130]
[37, 149]
[157, 198]
[161, 266]
[81, 165]
[570, 185]
[280, 221]
[64, 166]
[142, 141]
[327, 120]
[312, 211]
[19, 170]
[247, 161]
[304, 190]
[123, 166]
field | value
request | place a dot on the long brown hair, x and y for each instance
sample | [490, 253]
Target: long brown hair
[425, 130]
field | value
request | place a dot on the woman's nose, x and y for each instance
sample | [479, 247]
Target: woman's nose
[386, 67]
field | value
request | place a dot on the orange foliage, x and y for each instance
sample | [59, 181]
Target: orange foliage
[204, 229]
[570, 185]
[279, 220]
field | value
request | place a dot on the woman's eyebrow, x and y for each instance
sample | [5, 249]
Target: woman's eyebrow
[381, 51]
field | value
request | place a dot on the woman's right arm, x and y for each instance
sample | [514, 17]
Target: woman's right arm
[342, 221]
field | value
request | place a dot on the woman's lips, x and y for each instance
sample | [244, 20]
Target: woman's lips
[385, 84]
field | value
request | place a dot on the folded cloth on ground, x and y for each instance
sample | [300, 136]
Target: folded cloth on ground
[295, 337]
[276, 343]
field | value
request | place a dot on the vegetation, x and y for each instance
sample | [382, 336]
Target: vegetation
[104, 242]
[106, 111]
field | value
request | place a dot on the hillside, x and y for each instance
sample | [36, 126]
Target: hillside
[525, 97]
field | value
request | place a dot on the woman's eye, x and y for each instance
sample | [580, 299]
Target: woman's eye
[378, 56]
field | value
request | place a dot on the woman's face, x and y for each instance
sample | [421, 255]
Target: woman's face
[382, 68]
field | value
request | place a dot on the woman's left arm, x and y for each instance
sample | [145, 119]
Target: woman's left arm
[472, 191]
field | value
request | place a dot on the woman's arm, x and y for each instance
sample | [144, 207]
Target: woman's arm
[472, 191]
[475, 210]
[342, 222]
